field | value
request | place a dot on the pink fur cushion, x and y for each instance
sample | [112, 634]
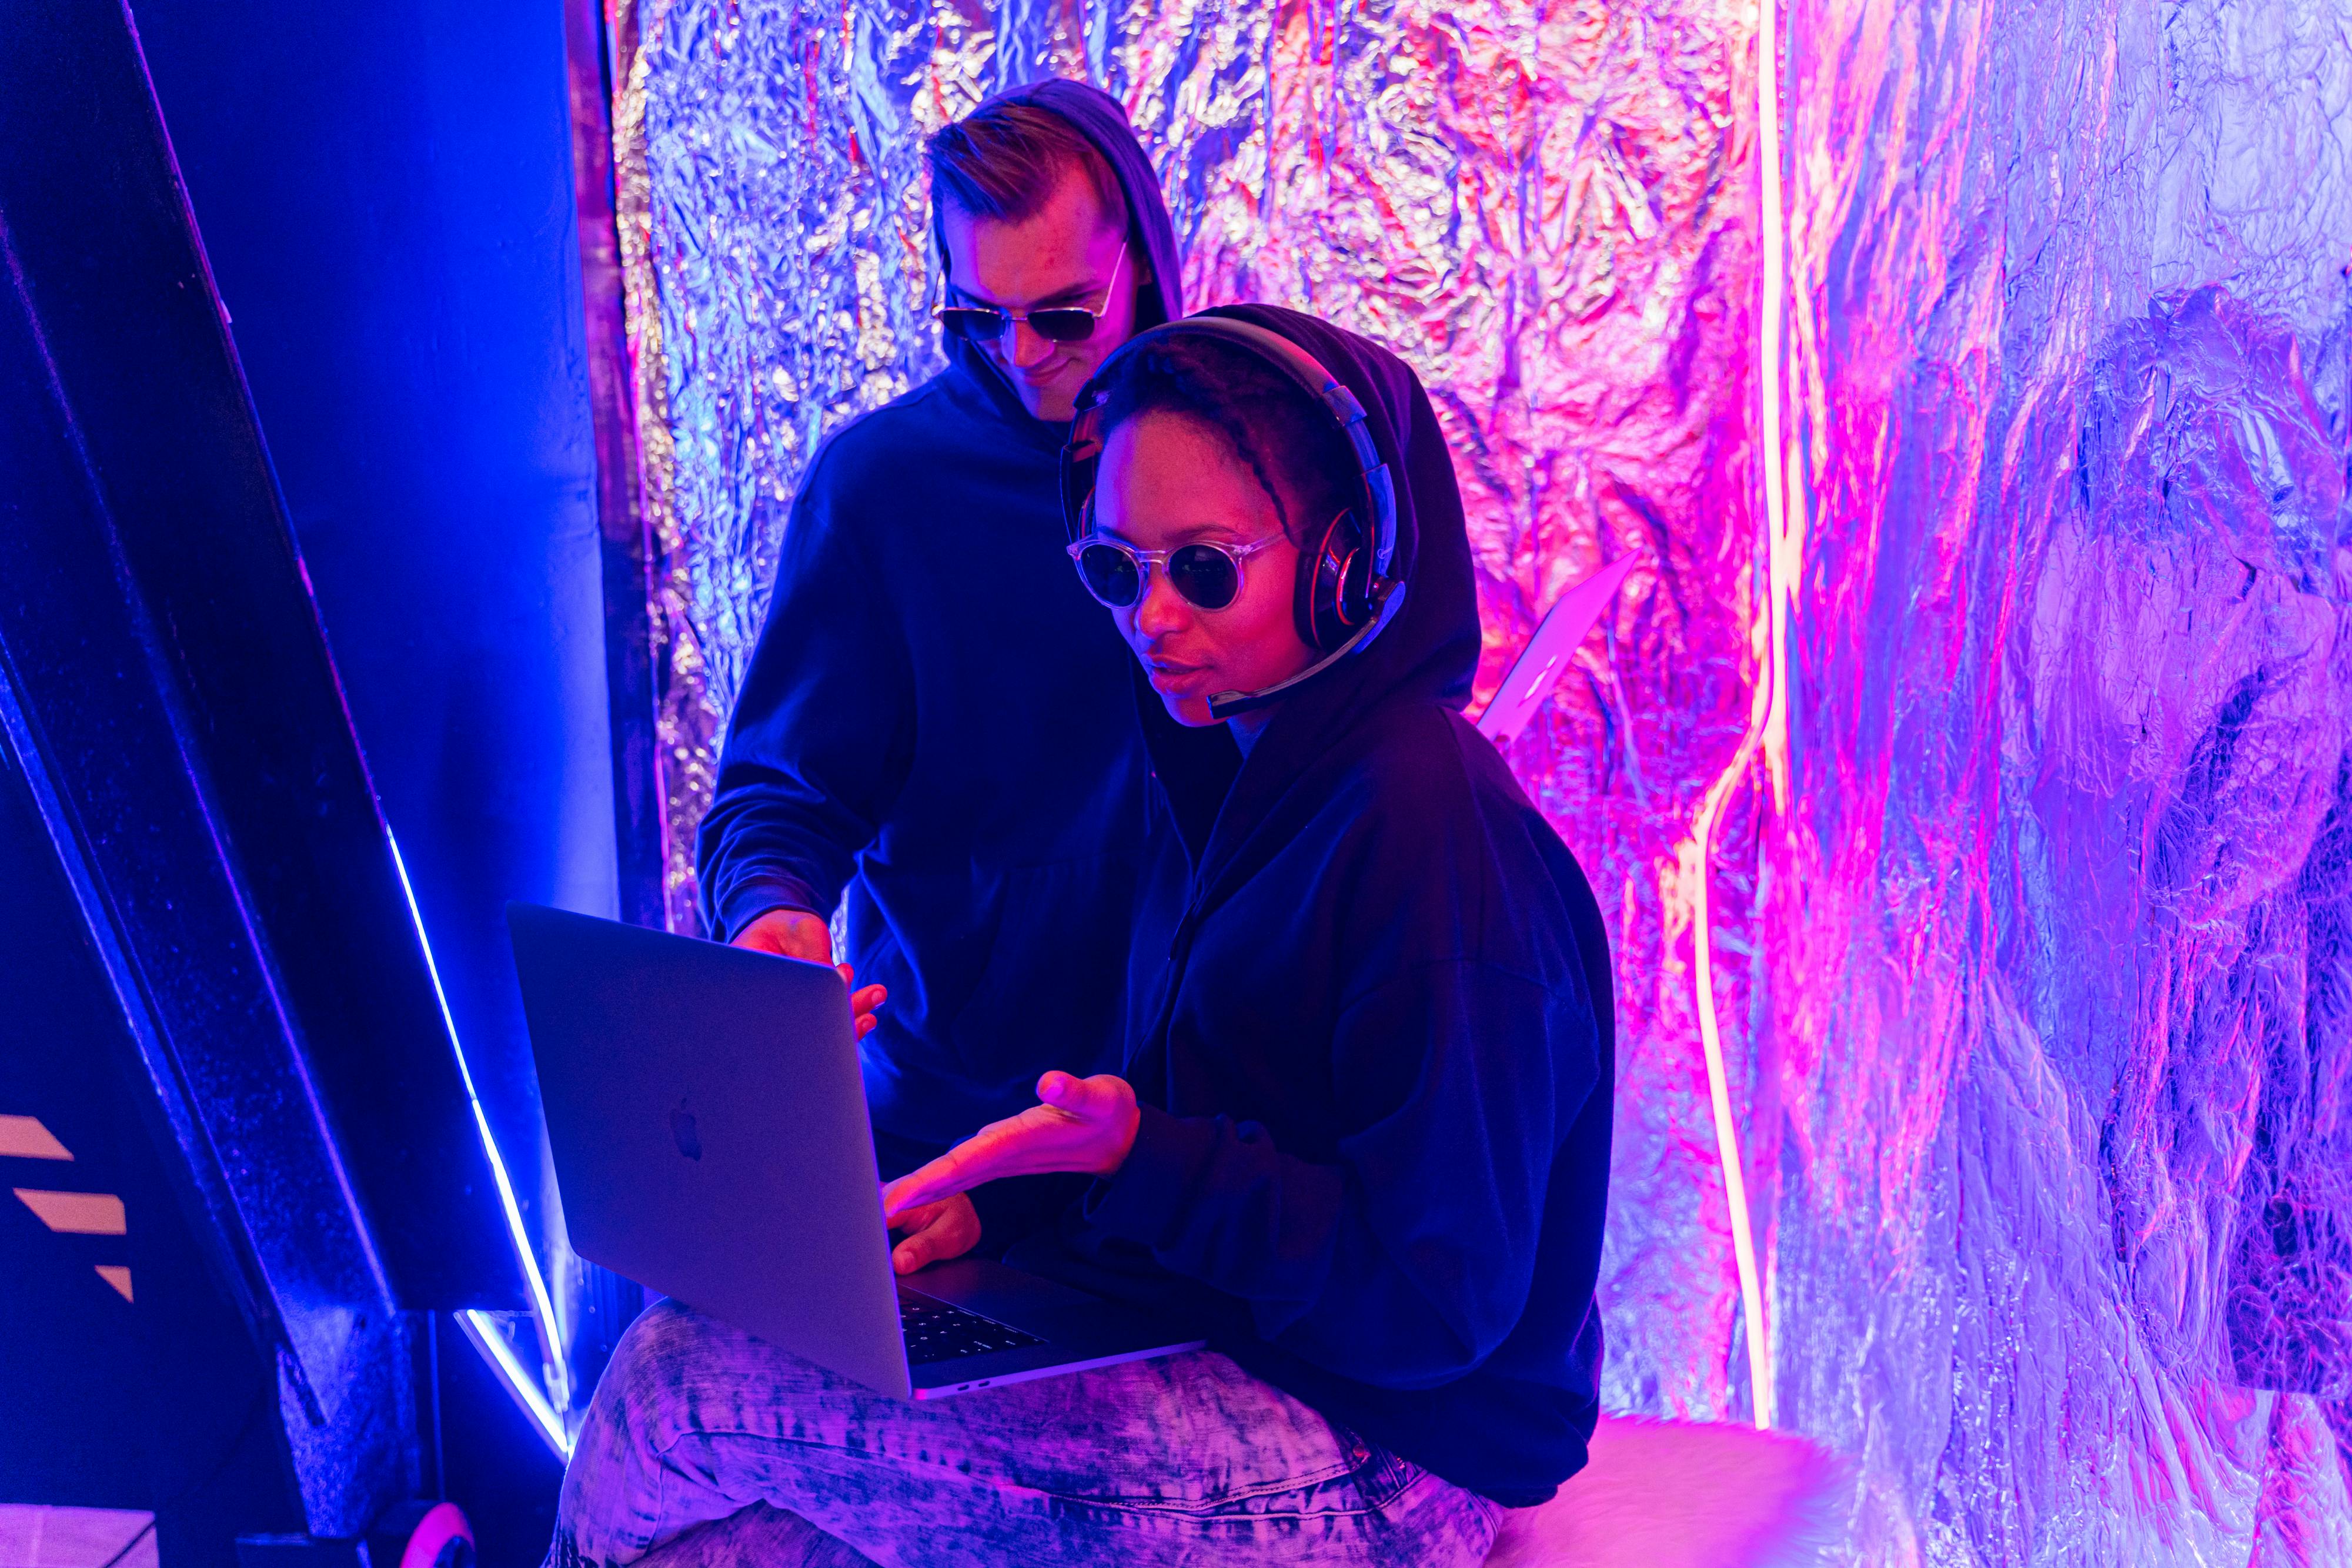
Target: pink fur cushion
[1681, 1494]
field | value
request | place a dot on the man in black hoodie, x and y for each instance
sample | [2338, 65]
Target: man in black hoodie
[1361, 1137]
[938, 727]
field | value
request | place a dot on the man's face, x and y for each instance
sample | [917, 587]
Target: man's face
[1063, 253]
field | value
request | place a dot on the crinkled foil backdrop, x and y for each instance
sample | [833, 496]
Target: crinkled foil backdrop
[2064, 993]
[2036, 989]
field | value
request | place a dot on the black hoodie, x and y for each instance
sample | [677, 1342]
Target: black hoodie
[1377, 1059]
[937, 706]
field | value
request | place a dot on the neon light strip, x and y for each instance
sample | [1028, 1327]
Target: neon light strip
[1718, 1092]
[491, 1342]
[542, 1309]
[1768, 713]
[1784, 509]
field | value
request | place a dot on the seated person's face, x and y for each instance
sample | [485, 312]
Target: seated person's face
[1168, 481]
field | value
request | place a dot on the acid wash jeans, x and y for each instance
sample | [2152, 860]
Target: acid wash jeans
[1185, 1460]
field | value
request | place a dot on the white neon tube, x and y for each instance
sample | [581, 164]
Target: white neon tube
[491, 1342]
[542, 1307]
[1768, 713]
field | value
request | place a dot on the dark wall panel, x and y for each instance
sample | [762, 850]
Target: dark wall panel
[72, 1405]
[156, 1400]
[384, 195]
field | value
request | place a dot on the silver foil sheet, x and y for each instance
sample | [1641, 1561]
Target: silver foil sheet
[2061, 980]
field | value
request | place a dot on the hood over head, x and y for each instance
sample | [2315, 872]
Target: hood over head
[1097, 117]
[1429, 650]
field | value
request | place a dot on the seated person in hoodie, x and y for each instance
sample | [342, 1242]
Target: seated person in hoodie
[1361, 1137]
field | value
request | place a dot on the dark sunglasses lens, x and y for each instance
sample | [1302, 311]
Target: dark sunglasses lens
[1204, 575]
[969, 321]
[1111, 576]
[1063, 326]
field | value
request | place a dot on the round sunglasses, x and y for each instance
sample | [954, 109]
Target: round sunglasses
[1055, 324]
[1207, 574]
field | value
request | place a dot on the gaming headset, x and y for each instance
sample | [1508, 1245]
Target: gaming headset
[1344, 594]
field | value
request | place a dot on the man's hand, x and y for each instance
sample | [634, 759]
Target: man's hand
[790, 934]
[935, 1232]
[797, 934]
[1084, 1125]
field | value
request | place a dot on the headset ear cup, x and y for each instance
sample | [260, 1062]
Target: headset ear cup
[1305, 594]
[1334, 585]
[1350, 603]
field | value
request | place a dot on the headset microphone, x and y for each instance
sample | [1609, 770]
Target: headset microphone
[1389, 597]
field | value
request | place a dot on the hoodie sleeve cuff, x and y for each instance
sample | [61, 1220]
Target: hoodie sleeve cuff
[1141, 1200]
[751, 899]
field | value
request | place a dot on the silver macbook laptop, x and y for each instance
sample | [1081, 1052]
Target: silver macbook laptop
[711, 1137]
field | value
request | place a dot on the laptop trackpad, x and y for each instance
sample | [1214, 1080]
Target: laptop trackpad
[1076, 1327]
[1009, 1295]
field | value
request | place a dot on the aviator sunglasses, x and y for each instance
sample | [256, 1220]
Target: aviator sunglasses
[1207, 574]
[1055, 324]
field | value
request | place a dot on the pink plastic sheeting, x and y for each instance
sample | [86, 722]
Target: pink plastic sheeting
[2035, 988]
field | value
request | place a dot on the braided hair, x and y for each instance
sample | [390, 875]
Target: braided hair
[1299, 456]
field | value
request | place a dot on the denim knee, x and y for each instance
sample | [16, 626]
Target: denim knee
[642, 1395]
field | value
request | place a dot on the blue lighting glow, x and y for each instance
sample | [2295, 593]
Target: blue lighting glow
[557, 1394]
[490, 1341]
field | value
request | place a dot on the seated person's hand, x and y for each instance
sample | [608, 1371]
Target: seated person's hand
[934, 1233]
[797, 934]
[1084, 1125]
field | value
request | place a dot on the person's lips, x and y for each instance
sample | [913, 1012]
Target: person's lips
[1034, 377]
[1175, 676]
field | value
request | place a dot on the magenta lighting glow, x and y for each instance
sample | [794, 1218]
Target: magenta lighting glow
[1967, 757]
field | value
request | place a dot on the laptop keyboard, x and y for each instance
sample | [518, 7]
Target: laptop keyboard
[938, 1331]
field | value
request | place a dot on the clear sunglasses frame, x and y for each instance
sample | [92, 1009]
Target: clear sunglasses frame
[1144, 563]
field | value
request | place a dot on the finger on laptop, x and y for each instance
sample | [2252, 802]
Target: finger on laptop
[1010, 1148]
[942, 1177]
[1086, 1125]
[936, 1232]
[862, 1002]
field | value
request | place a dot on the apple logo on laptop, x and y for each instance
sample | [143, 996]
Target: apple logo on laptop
[681, 1127]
